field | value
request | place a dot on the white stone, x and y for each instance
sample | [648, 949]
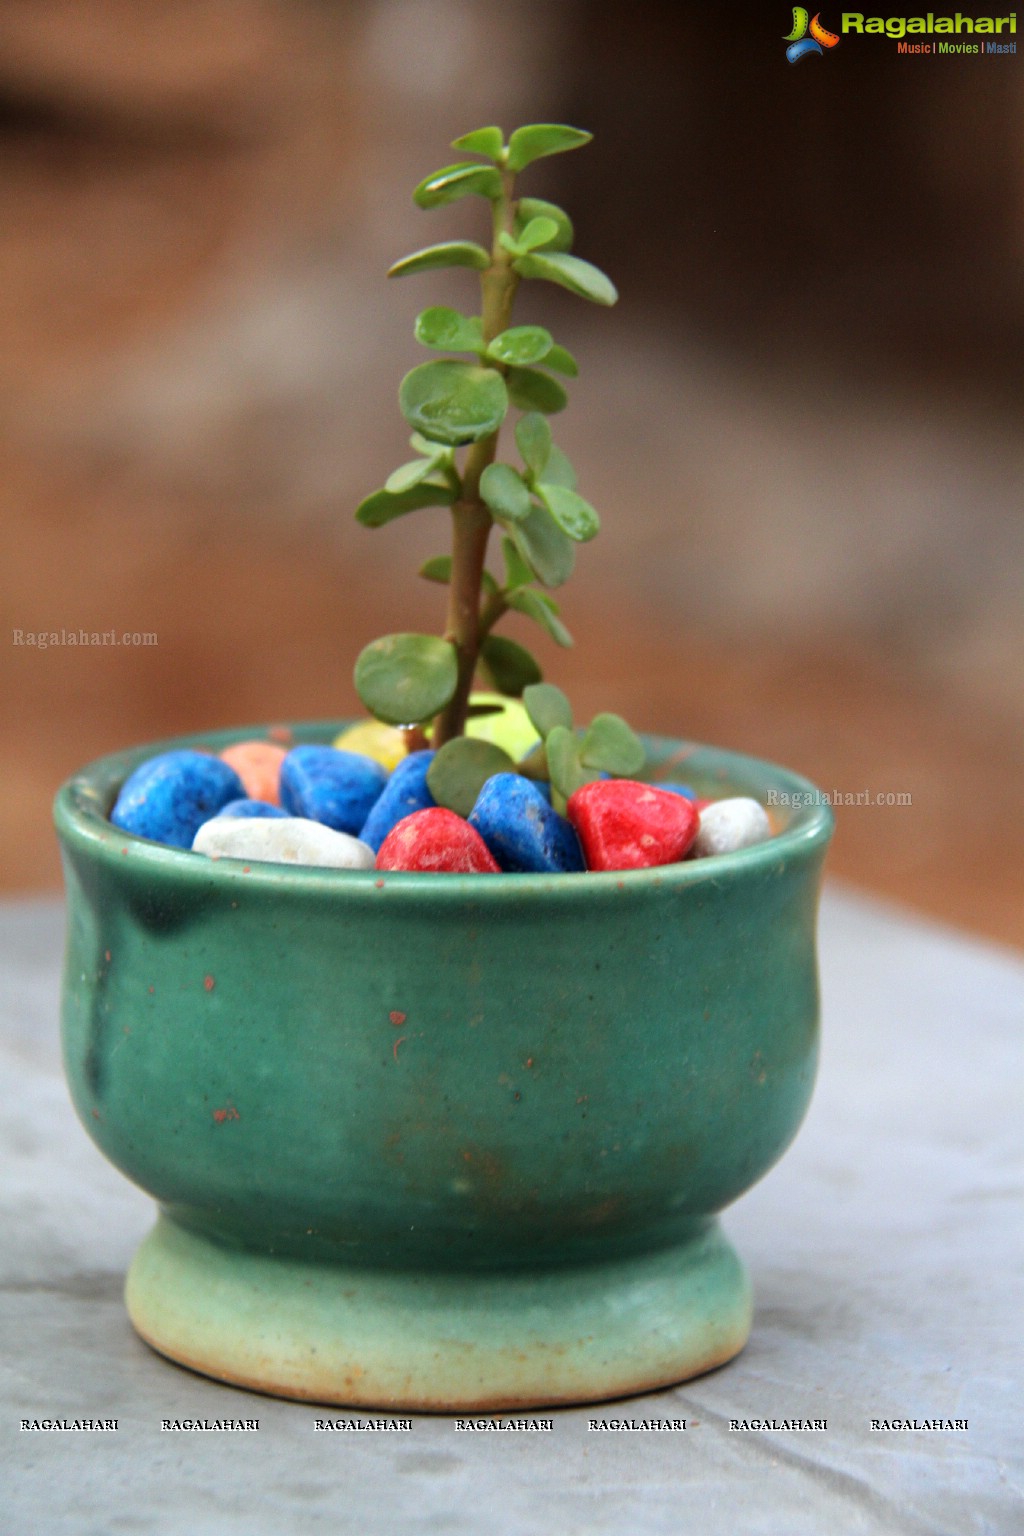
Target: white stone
[727, 825]
[282, 840]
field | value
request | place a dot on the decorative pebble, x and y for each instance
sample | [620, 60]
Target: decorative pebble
[284, 840]
[679, 789]
[406, 791]
[521, 830]
[508, 726]
[251, 808]
[258, 765]
[623, 824]
[372, 738]
[439, 842]
[169, 797]
[337, 788]
[727, 825]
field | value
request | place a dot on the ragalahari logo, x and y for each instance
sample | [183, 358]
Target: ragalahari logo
[800, 44]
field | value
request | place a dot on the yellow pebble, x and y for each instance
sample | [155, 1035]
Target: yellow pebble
[512, 729]
[384, 743]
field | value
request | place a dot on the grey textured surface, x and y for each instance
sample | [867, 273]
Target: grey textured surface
[885, 1251]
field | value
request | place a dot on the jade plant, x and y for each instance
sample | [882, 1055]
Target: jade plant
[457, 406]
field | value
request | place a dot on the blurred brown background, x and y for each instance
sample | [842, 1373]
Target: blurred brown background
[801, 423]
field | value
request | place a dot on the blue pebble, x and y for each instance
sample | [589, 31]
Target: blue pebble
[678, 789]
[406, 792]
[251, 808]
[522, 831]
[337, 788]
[169, 797]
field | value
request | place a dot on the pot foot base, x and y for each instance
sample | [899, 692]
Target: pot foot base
[440, 1342]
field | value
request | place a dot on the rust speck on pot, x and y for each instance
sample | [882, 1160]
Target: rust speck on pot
[228, 1113]
[106, 955]
[209, 983]
[397, 1017]
[400, 1041]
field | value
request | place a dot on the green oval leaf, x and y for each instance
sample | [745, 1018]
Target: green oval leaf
[405, 679]
[455, 181]
[508, 666]
[504, 492]
[407, 475]
[580, 277]
[446, 330]
[520, 345]
[450, 253]
[558, 470]
[566, 770]
[453, 402]
[529, 208]
[573, 515]
[562, 361]
[549, 553]
[533, 439]
[547, 707]
[482, 141]
[460, 770]
[517, 572]
[530, 390]
[535, 140]
[439, 569]
[384, 506]
[610, 746]
[540, 608]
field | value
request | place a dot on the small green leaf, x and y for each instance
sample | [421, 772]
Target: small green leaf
[446, 330]
[453, 402]
[450, 253]
[460, 770]
[536, 233]
[573, 515]
[405, 679]
[517, 572]
[567, 772]
[562, 361]
[455, 181]
[521, 345]
[610, 745]
[383, 506]
[529, 208]
[548, 707]
[408, 475]
[509, 666]
[558, 470]
[482, 141]
[539, 607]
[504, 492]
[439, 569]
[531, 390]
[580, 277]
[539, 139]
[533, 439]
[550, 554]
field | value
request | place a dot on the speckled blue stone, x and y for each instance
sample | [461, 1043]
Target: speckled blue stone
[687, 792]
[406, 792]
[522, 831]
[248, 808]
[338, 788]
[169, 797]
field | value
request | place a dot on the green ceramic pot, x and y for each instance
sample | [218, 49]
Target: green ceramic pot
[435, 1141]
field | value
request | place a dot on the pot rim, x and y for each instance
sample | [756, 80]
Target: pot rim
[82, 805]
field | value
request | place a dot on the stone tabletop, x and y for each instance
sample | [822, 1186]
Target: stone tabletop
[885, 1251]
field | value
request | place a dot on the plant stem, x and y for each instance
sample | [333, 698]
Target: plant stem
[471, 520]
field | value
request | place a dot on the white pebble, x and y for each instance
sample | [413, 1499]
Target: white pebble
[726, 825]
[282, 840]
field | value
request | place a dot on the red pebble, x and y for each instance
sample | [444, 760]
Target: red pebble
[439, 842]
[626, 825]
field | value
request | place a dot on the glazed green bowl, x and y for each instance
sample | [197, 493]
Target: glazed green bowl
[441, 1142]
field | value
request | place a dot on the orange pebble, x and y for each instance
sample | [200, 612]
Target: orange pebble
[258, 765]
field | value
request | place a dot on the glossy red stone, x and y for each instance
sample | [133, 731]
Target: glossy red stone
[626, 825]
[436, 841]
